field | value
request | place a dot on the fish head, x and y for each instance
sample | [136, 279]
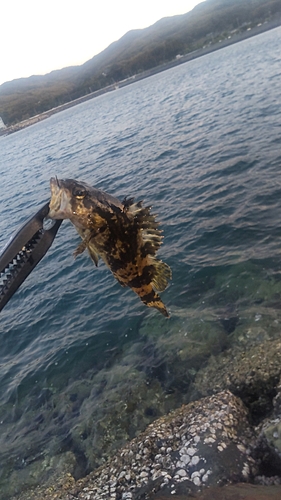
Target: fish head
[69, 199]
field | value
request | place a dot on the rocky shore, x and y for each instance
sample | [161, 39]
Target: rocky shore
[207, 443]
[200, 448]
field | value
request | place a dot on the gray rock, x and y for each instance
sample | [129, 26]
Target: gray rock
[209, 442]
[250, 371]
[221, 455]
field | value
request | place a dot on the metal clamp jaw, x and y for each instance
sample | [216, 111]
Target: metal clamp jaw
[23, 252]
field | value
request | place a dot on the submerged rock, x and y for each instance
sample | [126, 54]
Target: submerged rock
[54, 472]
[204, 443]
[251, 372]
[207, 443]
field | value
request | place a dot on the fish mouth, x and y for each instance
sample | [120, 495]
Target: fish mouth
[59, 203]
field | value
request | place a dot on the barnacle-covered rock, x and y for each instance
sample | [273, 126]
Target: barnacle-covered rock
[249, 371]
[207, 442]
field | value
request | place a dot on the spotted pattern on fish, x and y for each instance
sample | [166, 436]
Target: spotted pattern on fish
[125, 235]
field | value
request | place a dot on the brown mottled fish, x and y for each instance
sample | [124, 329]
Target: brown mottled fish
[125, 235]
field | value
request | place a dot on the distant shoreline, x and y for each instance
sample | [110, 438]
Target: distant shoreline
[257, 30]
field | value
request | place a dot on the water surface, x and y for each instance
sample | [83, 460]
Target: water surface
[84, 365]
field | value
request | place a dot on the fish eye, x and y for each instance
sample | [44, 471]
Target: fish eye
[79, 193]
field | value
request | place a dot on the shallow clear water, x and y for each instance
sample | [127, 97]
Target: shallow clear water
[84, 365]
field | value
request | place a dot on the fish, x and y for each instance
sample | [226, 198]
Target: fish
[125, 235]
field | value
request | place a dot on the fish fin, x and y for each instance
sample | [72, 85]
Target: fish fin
[80, 249]
[147, 224]
[151, 299]
[93, 252]
[86, 242]
[162, 273]
[127, 202]
[160, 306]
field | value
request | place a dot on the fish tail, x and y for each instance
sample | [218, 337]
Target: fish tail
[151, 299]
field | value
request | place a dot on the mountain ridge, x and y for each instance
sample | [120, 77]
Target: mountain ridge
[135, 52]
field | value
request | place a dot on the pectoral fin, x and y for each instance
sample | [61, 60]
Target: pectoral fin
[86, 243]
[80, 249]
[93, 253]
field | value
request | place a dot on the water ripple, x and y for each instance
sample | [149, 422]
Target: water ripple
[201, 143]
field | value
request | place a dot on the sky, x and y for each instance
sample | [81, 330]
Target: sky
[38, 36]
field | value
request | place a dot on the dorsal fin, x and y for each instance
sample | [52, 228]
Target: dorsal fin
[151, 241]
[147, 224]
[127, 202]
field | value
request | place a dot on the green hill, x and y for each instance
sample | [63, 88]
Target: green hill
[135, 52]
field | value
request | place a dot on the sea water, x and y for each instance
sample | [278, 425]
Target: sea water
[84, 365]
